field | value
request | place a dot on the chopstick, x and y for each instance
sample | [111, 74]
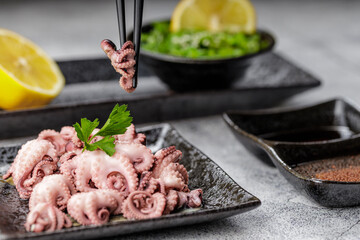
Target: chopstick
[138, 13]
[120, 7]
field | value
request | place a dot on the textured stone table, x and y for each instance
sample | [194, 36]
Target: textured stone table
[322, 37]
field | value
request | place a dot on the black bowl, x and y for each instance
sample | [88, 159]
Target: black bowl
[187, 74]
[327, 132]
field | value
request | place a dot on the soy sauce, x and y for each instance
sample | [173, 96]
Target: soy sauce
[323, 133]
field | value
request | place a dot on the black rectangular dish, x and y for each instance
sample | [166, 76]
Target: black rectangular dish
[92, 89]
[305, 142]
[222, 196]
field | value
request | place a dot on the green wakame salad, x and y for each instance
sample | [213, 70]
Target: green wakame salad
[200, 44]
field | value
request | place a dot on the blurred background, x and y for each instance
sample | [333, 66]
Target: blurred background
[320, 36]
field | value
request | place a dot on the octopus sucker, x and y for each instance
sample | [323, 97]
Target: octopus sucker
[59, 175]
[123, 61]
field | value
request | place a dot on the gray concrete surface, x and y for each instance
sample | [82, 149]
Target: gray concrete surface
[321, 36]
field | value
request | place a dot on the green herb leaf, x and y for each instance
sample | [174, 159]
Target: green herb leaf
[119, 119]
[86, 128]
[106, 144]
[117, 122]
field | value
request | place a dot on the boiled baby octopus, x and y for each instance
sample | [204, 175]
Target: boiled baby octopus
[95, 207]
[46, 217]
[123, 61]
[143, 205]
[55, 189]
[169, 173]
[35, 160]
[47, 201]
[91, 170]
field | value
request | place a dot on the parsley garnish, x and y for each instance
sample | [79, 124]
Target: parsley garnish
[119, 119]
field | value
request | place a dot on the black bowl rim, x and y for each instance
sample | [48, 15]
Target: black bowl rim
[268, 145]
[183, 60]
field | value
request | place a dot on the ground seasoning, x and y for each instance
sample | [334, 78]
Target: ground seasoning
[350, 174]
[341, 169]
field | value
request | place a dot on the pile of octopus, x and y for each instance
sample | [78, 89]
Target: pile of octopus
[61, 180]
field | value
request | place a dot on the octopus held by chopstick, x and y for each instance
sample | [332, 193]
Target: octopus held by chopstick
[123, 61]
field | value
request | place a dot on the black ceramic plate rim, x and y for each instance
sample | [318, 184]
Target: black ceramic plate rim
[278, 110]
[176, 59]
[249, 205]
[64, 106]
[267, 145]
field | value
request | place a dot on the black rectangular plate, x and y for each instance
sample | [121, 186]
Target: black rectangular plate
[222, 196]
[92, 90]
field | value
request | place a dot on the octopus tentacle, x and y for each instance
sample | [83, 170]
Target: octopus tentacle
[68, 168]
[191, 199]
[172, 199]
[117, 182]
[67, 133]
[46, 217]
[55, 190]
[172, 179]
[105, 166]
[131, 136]
[36, 159]
[95, 207]
[55, 138]
[139, 155]
[144, 180]
[152, 207]
[184, 174]
[41, 169]
[69, 155]
[164, 157]
[151, 185]
[83, 176]
[8, 173]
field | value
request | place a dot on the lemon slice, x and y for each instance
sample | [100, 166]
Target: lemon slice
[214, 15]
[28, 77]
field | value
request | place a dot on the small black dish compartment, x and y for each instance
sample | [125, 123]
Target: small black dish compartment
[303, 142]
[329, 121]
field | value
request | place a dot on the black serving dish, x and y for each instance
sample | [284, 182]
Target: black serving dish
[186, 74]
[222, 196]
[92, 90]
[286, 137]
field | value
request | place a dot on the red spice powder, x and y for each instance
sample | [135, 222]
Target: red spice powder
[349, 174]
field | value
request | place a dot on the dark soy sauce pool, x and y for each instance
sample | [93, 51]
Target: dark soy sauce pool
[310, 134]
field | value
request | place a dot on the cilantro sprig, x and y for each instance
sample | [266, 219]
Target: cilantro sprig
[119, 119]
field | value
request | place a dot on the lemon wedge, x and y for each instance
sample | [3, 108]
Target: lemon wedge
[214, 15]
[28, 76]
